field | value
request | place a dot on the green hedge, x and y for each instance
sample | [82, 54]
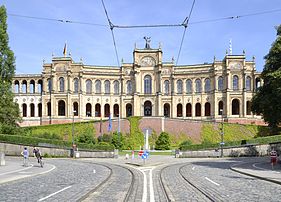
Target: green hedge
[33, 141]
[259, 140]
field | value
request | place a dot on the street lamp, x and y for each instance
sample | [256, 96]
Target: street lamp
[222, 132]
[74, 111]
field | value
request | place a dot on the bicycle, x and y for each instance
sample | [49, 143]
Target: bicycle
[40, 162]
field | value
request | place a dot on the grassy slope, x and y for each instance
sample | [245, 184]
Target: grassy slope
[232, 132]
[210, 132]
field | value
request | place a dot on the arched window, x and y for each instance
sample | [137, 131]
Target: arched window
[248, 83]
[40, 86]
[258, 83]
[32, 86]
[220, 83]
[40, 109]
[116, 110]
[220, 108]
[188, 110]
[98, 86]
[76, 85]
[106, 110]
[147, 108]
[207, 85]
[235, 107]
[24, 86]
[75, 109]
[188, 86]
[97, 110]
[129, 87]
[32, 110]
[61, 108]
[179, 86]
[61, 80]
[167, 110]
[147, 85]
[17, 86]
[24, 110]
[198, 86]
[249, 105]
[129, 110]
[179, 110]
[198, 109]
[207, 109]
[116, 87]
[107, 87]
[88, 110]
[88, 86]
[166, 87]
[49, 85]
[235, 82]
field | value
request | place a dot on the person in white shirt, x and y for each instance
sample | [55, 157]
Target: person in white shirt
[25, 155]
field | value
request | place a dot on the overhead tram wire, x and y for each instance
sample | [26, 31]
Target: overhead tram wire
[145, 26]
[111, 25]
[56, 20]
[185, 24]
[236, 17]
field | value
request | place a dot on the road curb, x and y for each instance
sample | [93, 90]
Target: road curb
[253, 175]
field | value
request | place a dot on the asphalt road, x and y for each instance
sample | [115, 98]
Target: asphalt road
[158, 179]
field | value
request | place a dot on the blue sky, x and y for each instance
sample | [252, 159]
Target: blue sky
[33, 40]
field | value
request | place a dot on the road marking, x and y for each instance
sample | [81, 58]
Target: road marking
[212, 181]
[151, 187]
[42, 199]
[15, 171]
[53, 167]
[193, 168]
[24, 172]
[94, 171]
[144, 194]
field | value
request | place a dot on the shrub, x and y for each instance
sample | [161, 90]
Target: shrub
[163, 142]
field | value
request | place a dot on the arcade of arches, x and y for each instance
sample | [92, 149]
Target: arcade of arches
[146, 87]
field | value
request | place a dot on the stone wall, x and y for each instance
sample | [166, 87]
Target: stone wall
[15, 150]
[247, 150]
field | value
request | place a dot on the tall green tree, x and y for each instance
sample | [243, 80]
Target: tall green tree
[9, 111]
[267, 100]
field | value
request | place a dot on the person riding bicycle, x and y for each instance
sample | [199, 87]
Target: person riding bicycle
[37, 154]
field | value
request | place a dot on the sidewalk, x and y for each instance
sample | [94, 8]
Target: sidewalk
[260, 168]
[14, 169]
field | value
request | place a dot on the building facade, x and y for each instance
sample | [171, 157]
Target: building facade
[68, 90]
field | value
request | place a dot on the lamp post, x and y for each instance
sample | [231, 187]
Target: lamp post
[74, 111]
[222, 132]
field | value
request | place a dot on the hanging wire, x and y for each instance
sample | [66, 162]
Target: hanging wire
[56, 20]
[185, 24]
[112, 33]
[147, 26]
[235, 17]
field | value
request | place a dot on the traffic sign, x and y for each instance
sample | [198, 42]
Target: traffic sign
[145, 155]
[140, 153]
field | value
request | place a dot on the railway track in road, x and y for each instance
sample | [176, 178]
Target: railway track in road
[122, 184]
[177, 187]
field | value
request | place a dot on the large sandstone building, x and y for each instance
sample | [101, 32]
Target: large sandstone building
[67, 90]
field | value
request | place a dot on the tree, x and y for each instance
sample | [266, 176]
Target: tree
[118, 140]
[9, 111]
[163, 142]
[267, 99]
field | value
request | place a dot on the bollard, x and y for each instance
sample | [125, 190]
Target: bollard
[2, 159]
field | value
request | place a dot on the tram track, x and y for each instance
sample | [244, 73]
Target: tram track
[177, 187]
[124, 188]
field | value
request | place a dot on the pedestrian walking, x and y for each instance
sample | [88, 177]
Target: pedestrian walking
[25, 157]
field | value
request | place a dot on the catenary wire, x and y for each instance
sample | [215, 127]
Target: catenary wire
[185, 24]
[144, 26]
[112, 33]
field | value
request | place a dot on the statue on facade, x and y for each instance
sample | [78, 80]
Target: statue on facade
[147, 42]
